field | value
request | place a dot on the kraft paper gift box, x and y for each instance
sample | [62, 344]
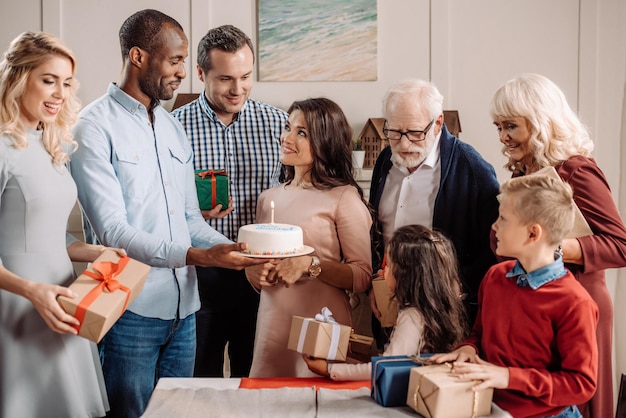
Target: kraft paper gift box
[361, 348]
[387, 305]
[320, 339]
[212, 188]
[108, 286]
[435, 393]
[390, 378]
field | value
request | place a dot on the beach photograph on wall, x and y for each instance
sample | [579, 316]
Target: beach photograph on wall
[317, 40]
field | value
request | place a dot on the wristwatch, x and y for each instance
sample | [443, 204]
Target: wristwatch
[315, 268]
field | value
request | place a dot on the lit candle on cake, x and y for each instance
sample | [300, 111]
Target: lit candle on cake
[272, 207]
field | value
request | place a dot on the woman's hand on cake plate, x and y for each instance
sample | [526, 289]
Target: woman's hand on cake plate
[218, 212]
[290, 270]
[259, 275]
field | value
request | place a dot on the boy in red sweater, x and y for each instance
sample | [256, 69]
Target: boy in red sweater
[536, 324]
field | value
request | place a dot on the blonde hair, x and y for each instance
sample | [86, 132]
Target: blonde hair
[26, 53]
[543, 200]
[556, 132]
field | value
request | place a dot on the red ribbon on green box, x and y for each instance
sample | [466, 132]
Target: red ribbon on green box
[217, 188]
[106, 273]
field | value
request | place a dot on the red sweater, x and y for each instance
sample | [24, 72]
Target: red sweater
[546, 337]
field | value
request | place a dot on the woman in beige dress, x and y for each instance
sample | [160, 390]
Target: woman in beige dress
[321, 196]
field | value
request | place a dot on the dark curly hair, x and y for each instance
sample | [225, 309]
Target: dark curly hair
[142, 30]
[425, 267]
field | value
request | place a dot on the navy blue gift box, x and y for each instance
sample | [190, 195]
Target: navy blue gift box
[390, 378]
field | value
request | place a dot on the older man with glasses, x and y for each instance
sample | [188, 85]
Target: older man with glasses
[428, 176]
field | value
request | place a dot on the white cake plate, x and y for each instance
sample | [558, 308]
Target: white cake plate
[305, 250]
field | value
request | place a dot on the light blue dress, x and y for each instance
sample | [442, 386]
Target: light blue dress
[42, 373]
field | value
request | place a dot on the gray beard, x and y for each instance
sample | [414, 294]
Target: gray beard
[407, 162]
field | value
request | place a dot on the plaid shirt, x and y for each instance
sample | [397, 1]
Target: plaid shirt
[248, 149]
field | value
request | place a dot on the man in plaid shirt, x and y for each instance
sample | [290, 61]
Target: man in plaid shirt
[229, 130]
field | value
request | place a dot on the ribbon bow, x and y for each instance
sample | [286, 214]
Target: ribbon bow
[106, 273]
[325, 316]
[211, 173]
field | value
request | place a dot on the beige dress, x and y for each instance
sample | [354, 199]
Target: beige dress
[336, 223]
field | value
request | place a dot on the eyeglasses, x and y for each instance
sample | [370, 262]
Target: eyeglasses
[412, 136]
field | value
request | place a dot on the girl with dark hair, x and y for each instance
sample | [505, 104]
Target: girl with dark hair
[321, 196]
[422, 271]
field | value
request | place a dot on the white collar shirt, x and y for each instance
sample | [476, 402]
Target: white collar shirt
[409, 198]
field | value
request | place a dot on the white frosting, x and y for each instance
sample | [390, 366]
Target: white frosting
[271, 239]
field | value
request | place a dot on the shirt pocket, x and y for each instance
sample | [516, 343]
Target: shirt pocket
[133, 170]
[180, 169]
[179, 155]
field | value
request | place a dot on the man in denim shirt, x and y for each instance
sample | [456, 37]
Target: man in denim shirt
[133, 169]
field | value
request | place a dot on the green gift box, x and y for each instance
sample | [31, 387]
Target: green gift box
[212, 188]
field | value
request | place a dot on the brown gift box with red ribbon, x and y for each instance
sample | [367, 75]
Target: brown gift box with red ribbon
[435, 393]
[108, 286]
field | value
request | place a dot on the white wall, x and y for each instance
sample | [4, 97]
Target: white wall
[485, 43]
[467, 47]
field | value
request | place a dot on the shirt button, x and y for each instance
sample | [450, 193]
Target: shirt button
[171, 211]
[136, 158]
[165, 183]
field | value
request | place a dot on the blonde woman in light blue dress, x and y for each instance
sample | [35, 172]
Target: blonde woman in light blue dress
[45, 369]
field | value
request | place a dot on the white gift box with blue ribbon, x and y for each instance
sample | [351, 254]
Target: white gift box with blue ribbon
[320, 337]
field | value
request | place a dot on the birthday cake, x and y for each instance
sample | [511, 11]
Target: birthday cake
[271, 239]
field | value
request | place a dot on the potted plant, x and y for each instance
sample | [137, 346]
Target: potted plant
[358, 153]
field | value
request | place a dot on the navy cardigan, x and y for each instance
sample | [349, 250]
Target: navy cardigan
[465, 208]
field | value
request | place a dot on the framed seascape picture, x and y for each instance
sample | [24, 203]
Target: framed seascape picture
[317, 40]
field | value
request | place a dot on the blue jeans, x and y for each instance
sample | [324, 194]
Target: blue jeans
[569, 412]
[137, 351]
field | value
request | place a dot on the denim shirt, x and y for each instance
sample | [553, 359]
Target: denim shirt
[536, 279]
[136, 187]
